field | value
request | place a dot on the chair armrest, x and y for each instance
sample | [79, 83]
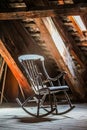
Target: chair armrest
[57, 77]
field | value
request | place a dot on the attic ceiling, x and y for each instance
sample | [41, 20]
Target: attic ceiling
[24, 30]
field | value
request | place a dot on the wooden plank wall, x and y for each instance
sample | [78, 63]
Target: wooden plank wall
[11, 46]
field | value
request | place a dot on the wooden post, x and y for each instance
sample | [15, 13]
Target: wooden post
[3, 84]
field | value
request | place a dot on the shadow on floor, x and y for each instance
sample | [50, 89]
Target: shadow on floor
[34, 119]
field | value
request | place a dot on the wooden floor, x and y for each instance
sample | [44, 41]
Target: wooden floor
[14, 118]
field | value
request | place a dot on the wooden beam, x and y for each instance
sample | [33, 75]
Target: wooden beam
[76, 26]
[46, 11]
[14, 68]
[70, 42]
[82, 44]
[61, 1]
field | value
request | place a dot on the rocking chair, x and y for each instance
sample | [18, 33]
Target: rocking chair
[45, 93]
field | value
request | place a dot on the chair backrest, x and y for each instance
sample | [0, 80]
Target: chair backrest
[29, 64]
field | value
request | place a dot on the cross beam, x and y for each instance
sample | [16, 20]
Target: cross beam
[46, 11]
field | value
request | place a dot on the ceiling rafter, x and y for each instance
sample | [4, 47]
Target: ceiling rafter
[46, 11]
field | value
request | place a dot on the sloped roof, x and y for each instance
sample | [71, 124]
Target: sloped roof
[23, 31]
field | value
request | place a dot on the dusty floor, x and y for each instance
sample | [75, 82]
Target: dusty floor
[14, 118]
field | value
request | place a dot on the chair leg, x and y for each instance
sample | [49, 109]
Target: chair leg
[49, 108]
[43, 99]
[55, 103]
[69, 105]
[38, 107]
[67, 98]
[34, 111]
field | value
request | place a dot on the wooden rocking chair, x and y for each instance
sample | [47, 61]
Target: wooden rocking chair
[45, 93]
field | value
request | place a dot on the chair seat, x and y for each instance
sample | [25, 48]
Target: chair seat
[58, 88]
[53, 89]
